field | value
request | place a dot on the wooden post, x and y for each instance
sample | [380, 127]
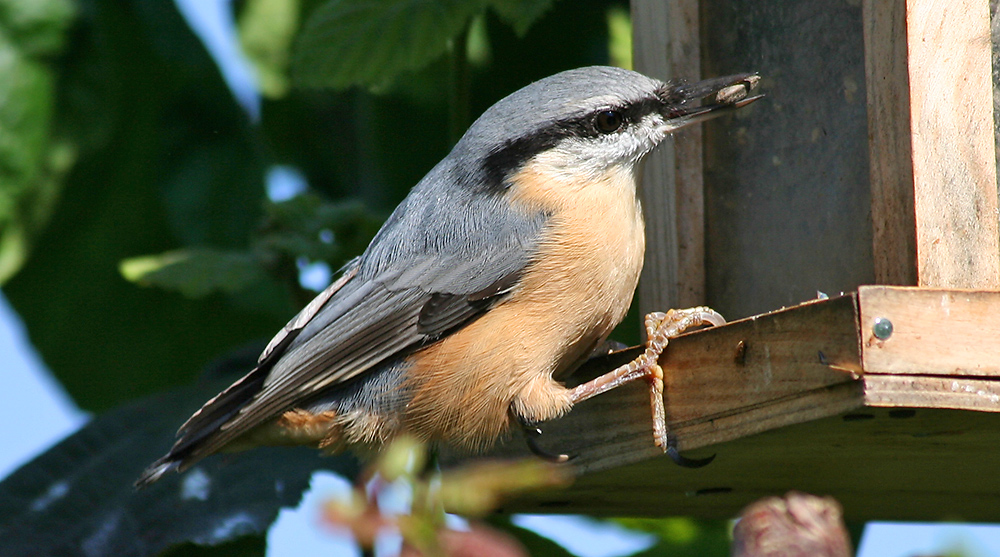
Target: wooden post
[930, 127]
[666, 46]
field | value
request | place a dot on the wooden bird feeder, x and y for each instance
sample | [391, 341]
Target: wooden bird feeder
[886, 397]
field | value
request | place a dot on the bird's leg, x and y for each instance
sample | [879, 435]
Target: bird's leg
[660, 327]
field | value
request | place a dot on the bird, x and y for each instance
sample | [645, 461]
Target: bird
[499, 274]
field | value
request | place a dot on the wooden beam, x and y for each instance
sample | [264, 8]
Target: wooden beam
[800, 399]
[752, 375]
[953, 333]
[879, 463]
[930, 124]
[894, 241]
[666, 45]
[959, 393]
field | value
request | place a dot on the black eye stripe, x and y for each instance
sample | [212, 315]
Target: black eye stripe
[637, 111]
[506, 158]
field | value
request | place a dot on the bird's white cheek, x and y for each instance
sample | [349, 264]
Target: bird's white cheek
[595, 157]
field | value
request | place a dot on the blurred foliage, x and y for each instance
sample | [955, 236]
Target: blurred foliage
[33, 160]
[620, 37]
[304, 228]
[166, 159]
[359, 42]
[682, 537]
[535, 544]
[266, 30]
[194, 272]
[137, 241]
[79, 497]
[470, 490]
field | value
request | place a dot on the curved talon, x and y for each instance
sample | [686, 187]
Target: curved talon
[542, 453]
[683, 461]
[531, 434]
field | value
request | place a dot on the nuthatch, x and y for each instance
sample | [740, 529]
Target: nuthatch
[499, 274]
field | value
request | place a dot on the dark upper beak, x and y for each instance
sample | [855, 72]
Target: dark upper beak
[688, 103]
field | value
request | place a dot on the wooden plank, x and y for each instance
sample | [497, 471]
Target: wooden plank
[666, 45]
[761, 359]
[894, 241]
[778, 399]
[959, 393]
[795, 409]
[954, 161]
[782, 368]
[880, 464]
[689, 184]
[934, 332]
[615, 429]
[933, 168]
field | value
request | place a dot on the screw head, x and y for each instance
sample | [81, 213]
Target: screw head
[882, 328]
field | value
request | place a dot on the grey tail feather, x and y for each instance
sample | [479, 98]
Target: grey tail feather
[199, 435]
[155, 471]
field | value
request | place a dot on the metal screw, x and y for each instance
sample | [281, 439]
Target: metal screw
[882, 328]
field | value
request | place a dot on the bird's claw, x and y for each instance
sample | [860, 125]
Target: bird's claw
[681, 460]
[531, 434]
[660, 328]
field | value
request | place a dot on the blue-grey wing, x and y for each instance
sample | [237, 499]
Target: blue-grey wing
[435, 266]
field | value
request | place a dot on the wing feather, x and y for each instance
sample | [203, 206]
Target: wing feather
[426, 273]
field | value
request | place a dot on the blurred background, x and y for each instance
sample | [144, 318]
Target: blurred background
[177, 179]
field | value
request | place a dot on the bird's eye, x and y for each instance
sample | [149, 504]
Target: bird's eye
[609, 121]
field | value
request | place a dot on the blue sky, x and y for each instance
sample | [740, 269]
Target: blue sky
[31, 390]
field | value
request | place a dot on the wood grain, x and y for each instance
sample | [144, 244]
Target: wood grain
[761, 360]
[666, 46]
[959, 393]
[894, 246]
[879, 463]
[806, 404]
[935, 332]
[954, 164]
[933, 172]
[689, 185]
[796, 365]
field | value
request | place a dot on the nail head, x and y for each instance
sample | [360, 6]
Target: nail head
[882, 328]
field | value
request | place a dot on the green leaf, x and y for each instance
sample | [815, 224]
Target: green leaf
[195, 272]
[266, 29]
[77, 498]
[32, 161]
[372, 42]
[307, 226]
[213, 189]
[520, 14]
[140, 96]
[38, 27]
[675, 529]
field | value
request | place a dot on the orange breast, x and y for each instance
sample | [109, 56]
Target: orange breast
[572, 295]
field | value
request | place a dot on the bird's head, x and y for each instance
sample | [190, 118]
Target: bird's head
[588, 121]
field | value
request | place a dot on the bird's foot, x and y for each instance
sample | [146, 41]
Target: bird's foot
[660, 327]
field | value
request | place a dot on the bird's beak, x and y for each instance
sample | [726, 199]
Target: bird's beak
[690, 103]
